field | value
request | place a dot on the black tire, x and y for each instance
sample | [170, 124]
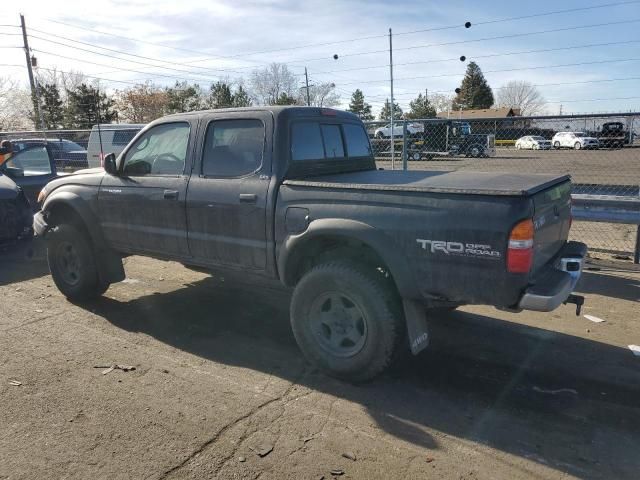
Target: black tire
[380, 135]
[577, 146]
[556, 145]
[475, 151]
[72, 263]
[378, 329]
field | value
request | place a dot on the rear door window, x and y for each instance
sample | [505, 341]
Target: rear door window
[233, 148]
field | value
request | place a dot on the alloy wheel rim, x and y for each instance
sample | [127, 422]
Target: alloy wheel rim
[68, 262]
[338, 324]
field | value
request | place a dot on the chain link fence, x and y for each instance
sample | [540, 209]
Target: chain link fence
[71, 150]
[600, 152]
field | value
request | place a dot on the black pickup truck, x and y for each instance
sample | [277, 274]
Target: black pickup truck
[293, 194]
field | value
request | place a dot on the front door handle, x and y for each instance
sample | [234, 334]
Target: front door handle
[248, 198]
[170, 195]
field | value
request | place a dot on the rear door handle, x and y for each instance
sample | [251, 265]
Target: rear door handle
[248, 198]
[170, 194]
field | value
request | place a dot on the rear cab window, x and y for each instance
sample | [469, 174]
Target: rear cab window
[324, 146]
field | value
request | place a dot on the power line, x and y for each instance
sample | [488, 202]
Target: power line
[72, 73]
[593, 100]
[115, 51]
[188, 50]
[123, 59]
[460, 42]
[349, 40]
[457, 59]
[118, 68]
[503, 70]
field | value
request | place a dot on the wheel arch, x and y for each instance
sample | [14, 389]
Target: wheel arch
[330, 238]
[69, 206]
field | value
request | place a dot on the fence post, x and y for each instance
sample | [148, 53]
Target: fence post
[636, 251]
[404, 145]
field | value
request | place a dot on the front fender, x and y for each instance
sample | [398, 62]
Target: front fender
[109, 261]
[81, 208]
[380, 242]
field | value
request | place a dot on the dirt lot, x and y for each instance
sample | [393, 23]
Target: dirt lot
[218, 376]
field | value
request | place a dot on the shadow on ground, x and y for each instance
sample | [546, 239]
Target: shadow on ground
[565, 401]
[615, 286]
[21, 263]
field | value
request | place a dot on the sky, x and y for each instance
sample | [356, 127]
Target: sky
[584, 57]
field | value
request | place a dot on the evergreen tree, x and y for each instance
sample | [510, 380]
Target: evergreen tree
[385, 113]
[241, 98]
[359, 107]
[183, 97]
[475, 92]
[51, 106]
[420, 107]
[285, 99]
[86, 106]
[220, 95]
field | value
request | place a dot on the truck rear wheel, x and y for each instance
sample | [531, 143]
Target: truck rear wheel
[72, 264]
[347, 320]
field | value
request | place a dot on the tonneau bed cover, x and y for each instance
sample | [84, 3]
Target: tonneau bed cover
[469, 183]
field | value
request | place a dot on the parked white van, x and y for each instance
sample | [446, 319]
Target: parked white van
[109, 138]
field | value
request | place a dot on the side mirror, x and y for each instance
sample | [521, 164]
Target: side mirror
[110, 164]
[14, 172]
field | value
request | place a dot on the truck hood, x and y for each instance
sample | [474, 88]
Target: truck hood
[8, 188]
[89, 177]
[469, 183]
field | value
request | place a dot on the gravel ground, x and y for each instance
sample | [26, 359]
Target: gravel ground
[218, 379]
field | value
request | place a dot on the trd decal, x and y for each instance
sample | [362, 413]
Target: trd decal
[458, 248]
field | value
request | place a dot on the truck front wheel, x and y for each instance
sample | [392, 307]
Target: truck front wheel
[346, 320]
[72, 264]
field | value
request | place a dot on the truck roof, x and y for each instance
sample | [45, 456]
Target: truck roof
[276, 110]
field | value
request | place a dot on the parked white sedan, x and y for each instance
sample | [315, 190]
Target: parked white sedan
[575, 140]
[533, 142]
[384, 132]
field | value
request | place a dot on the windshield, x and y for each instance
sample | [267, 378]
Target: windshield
[579, 134]
[539, 139]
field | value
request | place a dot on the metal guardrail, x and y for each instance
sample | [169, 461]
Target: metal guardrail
[609, 209]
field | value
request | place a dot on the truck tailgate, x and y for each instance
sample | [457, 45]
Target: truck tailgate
[552, 219]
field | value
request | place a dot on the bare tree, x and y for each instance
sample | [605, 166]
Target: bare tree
[441, 102]
[63, 80]
[321, 95]
[520, 94]
[269, 83]
[16, 107]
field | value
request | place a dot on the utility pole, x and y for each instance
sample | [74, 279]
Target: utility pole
[392, 103]
[306, 81]
[32, 83]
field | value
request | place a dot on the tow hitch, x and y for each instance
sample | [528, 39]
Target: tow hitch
[578, 300]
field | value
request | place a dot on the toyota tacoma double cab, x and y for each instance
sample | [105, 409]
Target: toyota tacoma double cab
[293, 194]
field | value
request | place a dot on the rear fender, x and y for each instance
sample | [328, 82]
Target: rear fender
[377, 240]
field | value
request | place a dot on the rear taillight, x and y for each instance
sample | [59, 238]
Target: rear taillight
[520, 250]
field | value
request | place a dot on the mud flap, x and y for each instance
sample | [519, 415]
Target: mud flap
[417, 330]
[110, 267]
